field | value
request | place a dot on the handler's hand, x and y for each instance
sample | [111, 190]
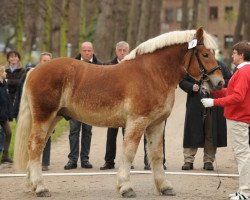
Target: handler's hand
[207, 102]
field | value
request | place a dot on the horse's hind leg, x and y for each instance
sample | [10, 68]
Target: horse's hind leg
[37, 140]
[154, 137]
[131, 141]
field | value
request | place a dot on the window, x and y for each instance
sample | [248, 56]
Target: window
[179, 14]
[228, 9]
[229, 15]
[228, 41]
[213, 12]
[169, 15]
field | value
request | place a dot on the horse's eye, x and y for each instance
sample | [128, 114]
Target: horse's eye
[205, 55]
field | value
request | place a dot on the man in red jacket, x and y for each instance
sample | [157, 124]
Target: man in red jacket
[236, 102]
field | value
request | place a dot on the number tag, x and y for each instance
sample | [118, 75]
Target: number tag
[192, 44]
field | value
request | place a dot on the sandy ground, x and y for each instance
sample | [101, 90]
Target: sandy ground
[189, 185]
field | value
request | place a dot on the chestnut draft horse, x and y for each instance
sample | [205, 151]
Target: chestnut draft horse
[137, 94]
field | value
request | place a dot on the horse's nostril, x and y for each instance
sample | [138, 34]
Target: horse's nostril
[221, 84]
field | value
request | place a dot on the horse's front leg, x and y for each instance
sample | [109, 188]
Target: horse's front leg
[131, 141]
[34, 175]
[155, 143]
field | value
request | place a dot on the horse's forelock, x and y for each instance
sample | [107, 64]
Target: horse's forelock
[209, 41]
[168, 39]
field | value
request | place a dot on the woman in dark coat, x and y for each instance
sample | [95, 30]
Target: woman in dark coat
[14, 73]
[204, 127]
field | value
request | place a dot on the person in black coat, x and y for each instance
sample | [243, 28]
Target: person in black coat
[121, 50]
[87, 55]
[14, 73]
[5, 115]
[204, 127]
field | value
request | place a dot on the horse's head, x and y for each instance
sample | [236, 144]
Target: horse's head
[202, 64]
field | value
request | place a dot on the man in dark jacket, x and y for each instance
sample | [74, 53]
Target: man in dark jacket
[87, 55]
[204, 127]
[121, 50]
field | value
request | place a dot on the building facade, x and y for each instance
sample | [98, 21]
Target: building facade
[218, 17]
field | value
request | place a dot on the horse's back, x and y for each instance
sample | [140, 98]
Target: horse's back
[83, 90]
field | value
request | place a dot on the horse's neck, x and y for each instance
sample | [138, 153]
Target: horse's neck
[170, 63]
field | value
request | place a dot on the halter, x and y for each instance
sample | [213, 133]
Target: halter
[203, 70]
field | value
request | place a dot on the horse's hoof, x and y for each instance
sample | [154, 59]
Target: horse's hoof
[168, 192]
[129, 193]
[44, 193]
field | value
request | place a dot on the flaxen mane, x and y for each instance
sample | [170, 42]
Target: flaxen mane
[168, 39]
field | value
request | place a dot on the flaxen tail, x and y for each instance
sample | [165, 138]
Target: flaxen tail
[23, 130]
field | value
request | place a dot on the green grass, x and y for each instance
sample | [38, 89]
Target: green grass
[61, 127]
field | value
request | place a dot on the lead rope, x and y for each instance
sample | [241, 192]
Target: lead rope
[218, 176]
[206, 95]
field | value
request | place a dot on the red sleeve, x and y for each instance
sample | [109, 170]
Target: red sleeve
[238, 93]
[219, 93]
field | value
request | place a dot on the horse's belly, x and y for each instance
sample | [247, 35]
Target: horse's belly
[101, 119]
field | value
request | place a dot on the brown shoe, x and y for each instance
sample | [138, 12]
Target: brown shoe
[45, 168]
[208, 166]
[187, 166]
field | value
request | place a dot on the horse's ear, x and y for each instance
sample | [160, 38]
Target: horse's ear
[199, 34]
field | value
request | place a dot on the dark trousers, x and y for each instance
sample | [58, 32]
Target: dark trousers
[7, 137]
[1, 138]
[74, 135]
[146, 161]
[111, 145]
[46, 153]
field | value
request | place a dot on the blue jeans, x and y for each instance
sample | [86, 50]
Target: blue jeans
[74, 135]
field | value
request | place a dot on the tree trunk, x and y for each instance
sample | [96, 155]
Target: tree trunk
[19, 27]
[74, 26]
[64, 28]
[239, 23]
[56, 27]
[89, 15]
[47, 26]
[121, 20]
[184, 18]
[246, 20]
[195, 14]
[143, 31]
[133, 22]
[155, 20]
[104, 35]
[30, 18]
